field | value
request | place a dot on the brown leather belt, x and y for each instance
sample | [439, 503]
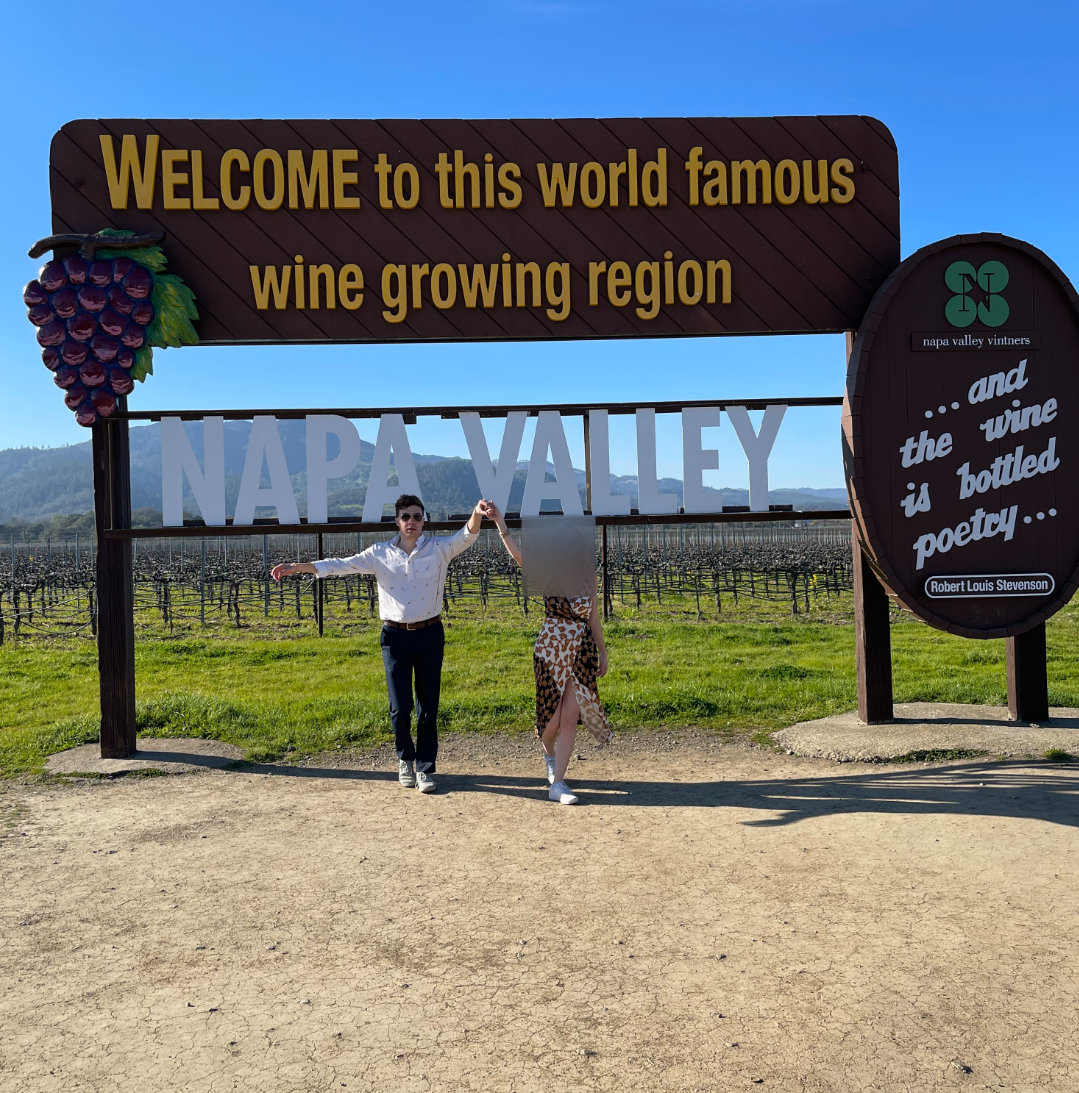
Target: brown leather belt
[411, 625]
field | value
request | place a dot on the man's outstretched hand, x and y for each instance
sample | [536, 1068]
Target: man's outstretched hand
[290, 569]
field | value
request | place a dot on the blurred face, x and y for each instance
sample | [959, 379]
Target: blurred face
[555, 558]
[410, 520]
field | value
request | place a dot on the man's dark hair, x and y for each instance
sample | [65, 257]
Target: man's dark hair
[405, 500]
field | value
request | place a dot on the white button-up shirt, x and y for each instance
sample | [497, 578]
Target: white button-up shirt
[410, 586]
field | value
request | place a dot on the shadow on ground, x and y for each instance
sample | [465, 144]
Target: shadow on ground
[991, 788]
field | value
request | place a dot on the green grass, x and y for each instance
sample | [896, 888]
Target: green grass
[279, 690]
[1059, 755]
[936, 755]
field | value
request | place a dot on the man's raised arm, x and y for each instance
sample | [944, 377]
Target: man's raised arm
[461, 540]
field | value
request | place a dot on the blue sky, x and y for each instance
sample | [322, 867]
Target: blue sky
[978, 96]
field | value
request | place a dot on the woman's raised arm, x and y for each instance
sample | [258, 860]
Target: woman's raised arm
[491, 511]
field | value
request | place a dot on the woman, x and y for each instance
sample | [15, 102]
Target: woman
[569, 654]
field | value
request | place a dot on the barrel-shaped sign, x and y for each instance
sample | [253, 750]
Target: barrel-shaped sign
[961, 435]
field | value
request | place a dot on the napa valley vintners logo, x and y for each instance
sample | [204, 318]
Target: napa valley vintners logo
[977, 293]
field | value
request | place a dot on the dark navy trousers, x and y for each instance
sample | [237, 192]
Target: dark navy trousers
[407, 654]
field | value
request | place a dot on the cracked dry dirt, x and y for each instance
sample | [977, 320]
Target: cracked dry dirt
[716, 918]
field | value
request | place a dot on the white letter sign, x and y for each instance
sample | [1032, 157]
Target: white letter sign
[757, 446]
[178, 458]
[551, 436]
[320, 469]
[697, 459]
[494, 484]
[649, 499]
[391, 436]
[604, 503]
[265, 443]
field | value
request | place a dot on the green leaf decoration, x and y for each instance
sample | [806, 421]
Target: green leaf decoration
[144, 364]
[174, 307]
[174, 302]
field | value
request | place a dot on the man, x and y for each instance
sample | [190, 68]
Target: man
[411, 574]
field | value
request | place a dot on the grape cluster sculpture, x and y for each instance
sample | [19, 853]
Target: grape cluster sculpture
[99, 312]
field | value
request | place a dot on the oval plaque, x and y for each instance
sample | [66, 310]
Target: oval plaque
[961, 434]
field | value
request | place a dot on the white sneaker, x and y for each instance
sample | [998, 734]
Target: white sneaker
[405, 775]
[549, 761]
[560, 792]
[424, 782]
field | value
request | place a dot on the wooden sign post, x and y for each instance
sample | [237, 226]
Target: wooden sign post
[872, 640]
[115, 592]
[1028, 681]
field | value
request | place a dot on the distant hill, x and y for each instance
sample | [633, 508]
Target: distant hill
[37, 484]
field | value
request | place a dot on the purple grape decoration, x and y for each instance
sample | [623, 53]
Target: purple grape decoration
[52, 333]
[74, 395]
[52, 277]
[121, 382]
[76, 269]
[139, 283]
[34, 295]
[91, 298]
[105, 348]
[82, 326]
[73, 352]
[121, 267]
[65, 303]
[100, 274]
[98, 312]
[104, 402]
[93, 373]
[133, 336]
[111, 323]
[65, 376]
[120, 301]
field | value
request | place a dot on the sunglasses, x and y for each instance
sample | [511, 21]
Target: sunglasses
[411, 517]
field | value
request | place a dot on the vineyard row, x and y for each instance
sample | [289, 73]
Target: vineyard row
[49, 589]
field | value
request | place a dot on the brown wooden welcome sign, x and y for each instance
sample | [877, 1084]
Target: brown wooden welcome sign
[352, 231]
[959, 438]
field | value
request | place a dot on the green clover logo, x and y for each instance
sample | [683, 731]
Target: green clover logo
[991, 278]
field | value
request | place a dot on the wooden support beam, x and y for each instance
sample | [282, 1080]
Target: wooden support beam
[513, 520]
[410, 413]
[115, 588]
[320, 601]
[1028, 683]
[872, 641]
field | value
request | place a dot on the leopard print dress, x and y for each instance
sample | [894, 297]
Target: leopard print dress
[566, 652]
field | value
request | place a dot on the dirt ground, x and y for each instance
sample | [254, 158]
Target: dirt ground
[712, 917]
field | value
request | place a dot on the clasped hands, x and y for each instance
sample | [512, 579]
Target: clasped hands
[490, 511]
